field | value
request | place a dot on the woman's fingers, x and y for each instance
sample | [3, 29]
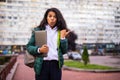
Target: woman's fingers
[44, 49]
[64, 33]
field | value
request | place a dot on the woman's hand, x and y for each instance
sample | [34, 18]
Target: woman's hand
[44, 49]
[64, 33]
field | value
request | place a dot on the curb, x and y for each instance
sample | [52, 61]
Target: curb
[11, 74]
[89, 70]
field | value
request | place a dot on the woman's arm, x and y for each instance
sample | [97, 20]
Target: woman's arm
[63, 41]
[64, 45]
[31, 48]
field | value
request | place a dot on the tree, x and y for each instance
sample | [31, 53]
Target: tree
[85, 56]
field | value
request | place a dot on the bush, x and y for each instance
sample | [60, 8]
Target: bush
[4, 59]
[85, 56]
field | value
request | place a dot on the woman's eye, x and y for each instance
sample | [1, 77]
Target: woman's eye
[50, 16]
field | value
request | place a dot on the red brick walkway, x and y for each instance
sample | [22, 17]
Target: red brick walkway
[71, 75]
[26, 73]
[23, 72]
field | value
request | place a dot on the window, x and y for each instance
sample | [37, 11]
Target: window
[9, 1]
[117, 21]
[9, 17]
[2, 0]
[9, 6]
[117, 17]
[15, 17]
[117, 25]
[2, 17]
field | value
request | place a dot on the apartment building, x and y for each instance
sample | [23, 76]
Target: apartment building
[94, 21]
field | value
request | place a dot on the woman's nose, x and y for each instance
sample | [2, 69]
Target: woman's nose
[52, 17]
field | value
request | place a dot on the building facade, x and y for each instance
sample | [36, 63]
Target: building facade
[94, 21]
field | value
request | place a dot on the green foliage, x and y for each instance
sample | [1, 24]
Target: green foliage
[4, 59]
[77, 64]
[85, 56]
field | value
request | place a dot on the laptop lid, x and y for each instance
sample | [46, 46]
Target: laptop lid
[40, 37]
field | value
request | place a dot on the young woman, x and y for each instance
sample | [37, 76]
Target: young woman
[49, 68]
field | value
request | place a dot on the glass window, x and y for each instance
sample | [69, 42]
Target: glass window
[9, 17]
[117, 17]
[117, 25]
[15, 17]
[9, 1]
[2, 17]
[9, 6]
[2, 0]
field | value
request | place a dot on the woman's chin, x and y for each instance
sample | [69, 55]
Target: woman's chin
[52, 26]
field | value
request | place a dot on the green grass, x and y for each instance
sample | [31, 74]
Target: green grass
[78, 64]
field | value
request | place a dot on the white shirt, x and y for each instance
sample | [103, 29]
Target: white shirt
[52, 43]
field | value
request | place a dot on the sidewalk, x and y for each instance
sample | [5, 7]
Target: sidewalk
[112, 61]
[25, 73]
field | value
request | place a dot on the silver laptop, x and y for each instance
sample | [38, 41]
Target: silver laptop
[40, 38]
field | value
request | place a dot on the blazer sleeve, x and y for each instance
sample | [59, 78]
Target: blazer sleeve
[31, 48]
[64, 45]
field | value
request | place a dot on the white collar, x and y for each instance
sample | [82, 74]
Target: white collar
[49, 28]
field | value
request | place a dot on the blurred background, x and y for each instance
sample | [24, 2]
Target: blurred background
[95, 23]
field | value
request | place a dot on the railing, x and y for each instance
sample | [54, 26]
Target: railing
[6, 69]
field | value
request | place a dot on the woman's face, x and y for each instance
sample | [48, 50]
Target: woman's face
[51, 19]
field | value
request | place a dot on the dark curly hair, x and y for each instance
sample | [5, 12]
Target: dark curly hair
[61, 24]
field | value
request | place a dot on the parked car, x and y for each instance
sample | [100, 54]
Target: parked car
[5, 51]
[74, 55]
[110, 48]
[98, 51]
